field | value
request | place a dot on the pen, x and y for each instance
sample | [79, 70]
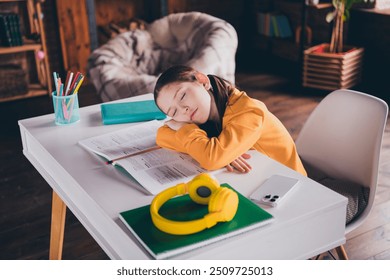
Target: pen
[133, 154]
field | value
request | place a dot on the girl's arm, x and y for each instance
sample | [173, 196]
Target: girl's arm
[241, 130]
[165, 140]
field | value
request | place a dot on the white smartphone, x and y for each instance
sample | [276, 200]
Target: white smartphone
[274, 190]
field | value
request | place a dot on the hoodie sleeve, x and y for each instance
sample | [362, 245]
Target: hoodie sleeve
[242, 127]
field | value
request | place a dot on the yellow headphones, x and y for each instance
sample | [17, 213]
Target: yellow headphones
[203, 189]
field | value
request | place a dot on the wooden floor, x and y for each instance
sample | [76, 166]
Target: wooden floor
[25, 197]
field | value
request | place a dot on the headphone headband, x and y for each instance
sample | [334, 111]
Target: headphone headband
[202, 189]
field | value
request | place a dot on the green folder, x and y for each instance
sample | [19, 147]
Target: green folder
[125, 112]
[162, 245]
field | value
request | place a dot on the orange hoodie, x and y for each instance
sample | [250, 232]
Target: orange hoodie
[247, 124]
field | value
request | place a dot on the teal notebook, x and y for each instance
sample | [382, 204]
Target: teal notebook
[163, 245]
[125, 112]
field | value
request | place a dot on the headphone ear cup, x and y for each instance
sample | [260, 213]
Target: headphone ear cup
[202, 188]
[225, 202]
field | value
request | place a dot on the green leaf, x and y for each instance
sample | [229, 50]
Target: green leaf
[346, 15]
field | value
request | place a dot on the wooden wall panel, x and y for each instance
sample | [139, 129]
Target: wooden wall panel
[106, 11]
[74, 34]
[229, 10]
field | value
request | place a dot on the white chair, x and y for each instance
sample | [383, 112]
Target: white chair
[342, 138]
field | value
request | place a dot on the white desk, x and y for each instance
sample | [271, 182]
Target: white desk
[310, 222]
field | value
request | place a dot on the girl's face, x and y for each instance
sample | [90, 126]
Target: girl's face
[185, 102]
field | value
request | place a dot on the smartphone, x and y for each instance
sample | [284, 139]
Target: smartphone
[274, 190]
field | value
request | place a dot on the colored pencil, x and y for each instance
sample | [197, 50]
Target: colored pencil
[75, 78]
[55, 82]
[69, 80]
[78, 85]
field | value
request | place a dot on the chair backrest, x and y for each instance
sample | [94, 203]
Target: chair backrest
[343, 137]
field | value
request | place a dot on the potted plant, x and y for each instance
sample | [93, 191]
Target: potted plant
[333, 65]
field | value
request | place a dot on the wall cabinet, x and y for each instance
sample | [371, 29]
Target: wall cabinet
[311, 17]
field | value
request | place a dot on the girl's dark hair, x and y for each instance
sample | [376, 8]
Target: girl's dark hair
[179, 73]
[220, 88]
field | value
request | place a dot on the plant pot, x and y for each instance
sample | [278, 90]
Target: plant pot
[331, 71]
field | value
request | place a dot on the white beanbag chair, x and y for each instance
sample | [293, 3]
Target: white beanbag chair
[130, 63]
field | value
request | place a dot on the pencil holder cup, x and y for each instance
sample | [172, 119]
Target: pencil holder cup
[66, 108]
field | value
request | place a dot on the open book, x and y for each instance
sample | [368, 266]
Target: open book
[155, 170]
[162, 245]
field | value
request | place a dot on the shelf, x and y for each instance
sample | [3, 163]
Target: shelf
[34, 90]
[285, 48]
[36, 68]
[23, 48]
[12, 1]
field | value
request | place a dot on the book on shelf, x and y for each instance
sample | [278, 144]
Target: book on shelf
[10, 34]
[273, 25]
[5, 32]
[132, 111]
[17, 34]
[162, 245]
[284, 26]
[155, 169]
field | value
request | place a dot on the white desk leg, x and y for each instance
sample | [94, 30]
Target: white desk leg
[58, 213]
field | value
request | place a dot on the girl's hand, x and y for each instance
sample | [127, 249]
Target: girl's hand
[175, 125]
[240, 164]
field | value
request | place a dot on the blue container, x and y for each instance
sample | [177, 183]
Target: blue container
[66, 108]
